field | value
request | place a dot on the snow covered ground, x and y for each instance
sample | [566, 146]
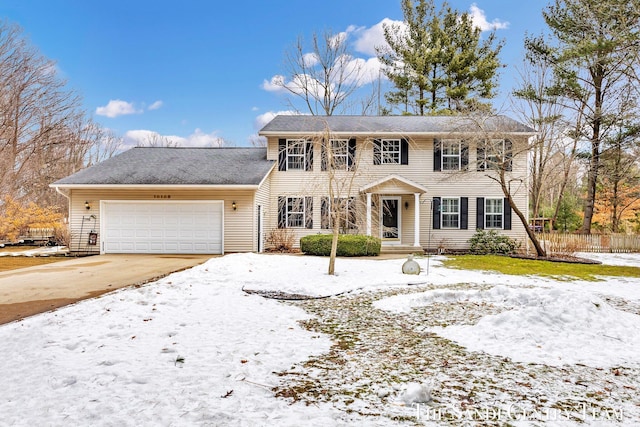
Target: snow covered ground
[194, 349]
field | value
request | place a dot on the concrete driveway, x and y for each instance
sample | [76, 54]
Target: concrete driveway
[33, 290]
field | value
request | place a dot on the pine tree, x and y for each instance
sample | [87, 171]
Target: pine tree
[593, 49]
[438, 62]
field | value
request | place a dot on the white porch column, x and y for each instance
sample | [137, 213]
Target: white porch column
[416, 221]
[368, 214]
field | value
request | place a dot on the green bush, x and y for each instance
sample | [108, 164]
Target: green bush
[491, 242]
[348, 245]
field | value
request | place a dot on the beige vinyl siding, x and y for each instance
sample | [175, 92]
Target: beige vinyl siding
[239, 225]
[469, 184]
[262, 198]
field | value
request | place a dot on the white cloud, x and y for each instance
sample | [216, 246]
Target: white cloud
[479, 18]
[368, 39]
[264, 118]
[156, 105]
[310, 59]
[366, 70]
[275, 84]
[117, 107]
[202, 139]
[143, 137]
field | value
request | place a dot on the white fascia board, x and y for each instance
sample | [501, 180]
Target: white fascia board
[300, 134]
[266, 176]
[154, 186]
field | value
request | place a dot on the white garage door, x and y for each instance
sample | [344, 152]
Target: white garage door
[161, 227]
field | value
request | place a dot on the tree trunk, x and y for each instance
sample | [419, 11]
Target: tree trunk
[532, 236]
[334, 249]
[592, 180]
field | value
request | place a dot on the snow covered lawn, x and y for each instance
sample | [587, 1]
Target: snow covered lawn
[392, 349]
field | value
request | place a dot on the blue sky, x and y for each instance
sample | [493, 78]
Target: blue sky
[198, 71]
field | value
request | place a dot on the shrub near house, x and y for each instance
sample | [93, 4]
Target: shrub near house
[348, 245]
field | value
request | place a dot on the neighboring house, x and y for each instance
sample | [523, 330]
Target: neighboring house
[415, 182]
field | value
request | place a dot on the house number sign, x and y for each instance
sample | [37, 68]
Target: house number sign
[162, 196]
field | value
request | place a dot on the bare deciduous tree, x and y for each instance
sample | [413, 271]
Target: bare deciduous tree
[44, 134]
[497, 156]
[324, 78]
[554, 150]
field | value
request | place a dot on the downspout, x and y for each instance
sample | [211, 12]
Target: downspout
[66, 196]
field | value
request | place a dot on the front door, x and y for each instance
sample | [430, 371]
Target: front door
[390, 218]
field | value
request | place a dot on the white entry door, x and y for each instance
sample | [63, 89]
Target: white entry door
[162, 227]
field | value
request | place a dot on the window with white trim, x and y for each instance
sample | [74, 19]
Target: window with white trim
[390, 151]
[295, 212]
[493, 213]
[296, 154]
[344, 208]
[450, 212]
[451, 151]
[339, 153]
[492, 155]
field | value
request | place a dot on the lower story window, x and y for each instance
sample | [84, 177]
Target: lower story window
[450, 211]
[295, 212]
[493, 210]
[342, 208]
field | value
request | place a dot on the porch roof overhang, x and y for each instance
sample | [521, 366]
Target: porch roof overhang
[393, 184]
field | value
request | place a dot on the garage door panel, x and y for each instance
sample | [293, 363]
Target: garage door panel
[162, 227]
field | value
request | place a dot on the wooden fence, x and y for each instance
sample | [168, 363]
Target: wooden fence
[569, 243]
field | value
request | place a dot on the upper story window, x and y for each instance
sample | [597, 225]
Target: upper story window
[493, 212]
[494, 154]
[450, 155]
[390, 152]
[295, 154]
[339, 153]
[450, 211]
[451, 150]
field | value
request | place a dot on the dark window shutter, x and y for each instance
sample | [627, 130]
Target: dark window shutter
[508, 155]
[308, 212]
[324, 154]
[464, 213]
[480, 156]
[437, 155]
[351, 159]
[507, 215]
[404, 152]
[282, 154]
[436, 213]
[282, 212]
[480, 213]
[325, 218]
[308, 163]
[464, 155]
[377, 149]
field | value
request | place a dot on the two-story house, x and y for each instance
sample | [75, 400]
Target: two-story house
[415, 182]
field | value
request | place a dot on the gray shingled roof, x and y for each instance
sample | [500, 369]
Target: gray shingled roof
[390, 124]
[177, 166]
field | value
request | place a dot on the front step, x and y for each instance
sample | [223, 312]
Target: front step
[401, 249]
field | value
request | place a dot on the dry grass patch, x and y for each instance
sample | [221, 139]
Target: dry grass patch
[11, 262]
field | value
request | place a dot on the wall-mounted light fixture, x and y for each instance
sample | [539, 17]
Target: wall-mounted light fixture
[234, 206]
[87, 206]
[406, 206]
